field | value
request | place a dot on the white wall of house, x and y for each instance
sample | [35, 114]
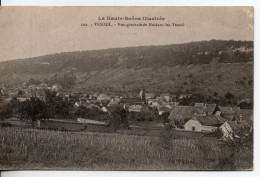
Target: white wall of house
[226, 131]
[194, 125]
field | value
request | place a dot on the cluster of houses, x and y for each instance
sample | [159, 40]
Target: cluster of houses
[201, 117]
[210, 117]
[163, 103]
[24, 91]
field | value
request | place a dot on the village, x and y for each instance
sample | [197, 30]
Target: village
[162, 109]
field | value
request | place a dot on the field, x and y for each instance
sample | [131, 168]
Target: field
[26, 148]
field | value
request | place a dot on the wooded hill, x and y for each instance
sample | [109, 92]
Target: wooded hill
[206, 66]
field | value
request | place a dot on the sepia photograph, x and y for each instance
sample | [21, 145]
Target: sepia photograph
[127, 88]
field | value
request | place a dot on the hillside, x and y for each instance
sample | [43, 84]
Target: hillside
[205, 67]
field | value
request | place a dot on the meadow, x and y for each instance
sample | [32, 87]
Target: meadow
[26, 148]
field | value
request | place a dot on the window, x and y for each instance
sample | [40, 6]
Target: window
[193, 128]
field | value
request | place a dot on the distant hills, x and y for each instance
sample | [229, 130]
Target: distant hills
[207, 67]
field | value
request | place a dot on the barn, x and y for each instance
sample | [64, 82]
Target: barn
[204, 123]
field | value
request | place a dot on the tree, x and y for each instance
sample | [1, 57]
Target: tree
[32, 110]
[229, 96]
[215, 94]
[34, 81]
[245, 105]
[164, 117]
[56, 106]
[118, 119]
[20, 92]
[231, 150]
[6, 111]
[10, 109]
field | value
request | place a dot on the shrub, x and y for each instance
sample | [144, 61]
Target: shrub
[118, 119]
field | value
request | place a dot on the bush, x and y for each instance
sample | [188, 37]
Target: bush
[118, 119]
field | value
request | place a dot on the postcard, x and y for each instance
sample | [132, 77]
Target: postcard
[126, 88]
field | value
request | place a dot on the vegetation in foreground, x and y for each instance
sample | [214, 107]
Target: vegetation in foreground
[38, 149]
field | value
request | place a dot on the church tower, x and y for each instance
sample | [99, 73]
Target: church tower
[142, 94]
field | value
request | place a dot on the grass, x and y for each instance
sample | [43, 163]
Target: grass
[40, 149]
[61, 125]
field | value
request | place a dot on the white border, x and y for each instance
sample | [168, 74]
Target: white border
[131, 2]
[255, 3]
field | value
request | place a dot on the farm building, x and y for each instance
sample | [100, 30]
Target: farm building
[180, 113]
[204, 123]
[231, 129]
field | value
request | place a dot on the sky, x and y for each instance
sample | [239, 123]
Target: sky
[35, 31]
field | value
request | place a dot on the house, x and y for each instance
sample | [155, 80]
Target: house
[212, 108]
[246, 115]
[132, 101]
[81, 103]
[180, 113]
[168, 106]
[166, 97]
[149, 96]
[22, 98]
[159, 98]
[102, 97]
[24, 85]
[231, 129]
[200, 111]
[32, 87]
[135, 108]
[204, 123]
[206, 109]
[152, 102]
[114, 101]
[184, 96]
[229, 113]
[184, 113]
[56, 87]
[77, 104]
[164, 109]
[92, 101]
[199, 104]
[42, 86]
[104, 109]
[41, 94]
